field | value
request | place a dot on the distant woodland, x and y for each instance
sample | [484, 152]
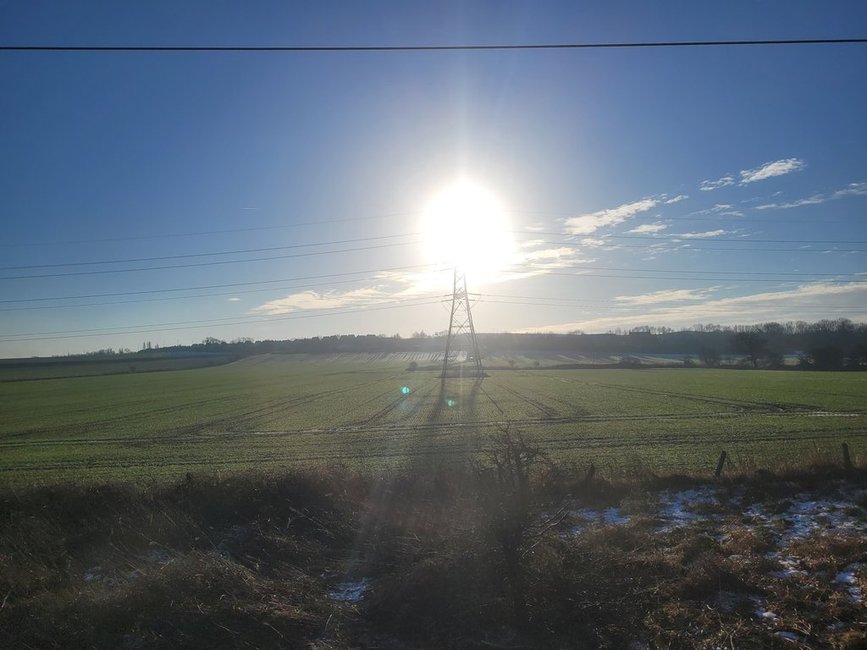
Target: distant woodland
[824, 345]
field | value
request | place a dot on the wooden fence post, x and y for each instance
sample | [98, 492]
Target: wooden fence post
[591, 471]
[847, 460]
[719, 465]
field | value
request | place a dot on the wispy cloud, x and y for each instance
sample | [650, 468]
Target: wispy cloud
[648, 228]
[806, 302]
[702, 235]
[307, 300]
[542, 260]
[760, 173]
[721, 209]
[676, 199]
[772, 169]
[669, 295]
[852, 189]
[708, 186]
[811, 200]
[550, 253]
[586, 224]
[235, 299]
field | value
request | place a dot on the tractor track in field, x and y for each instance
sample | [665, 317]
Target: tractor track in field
[127, 418]
[741, 405]
[549, 413]
[271, 407]
[492, 400]
[340, 453]
[417, 404]
[381, 412]
[410, 428]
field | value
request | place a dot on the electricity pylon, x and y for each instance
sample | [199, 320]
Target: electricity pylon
[461, 358]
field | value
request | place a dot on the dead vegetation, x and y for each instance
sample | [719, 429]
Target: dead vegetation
[510, 551]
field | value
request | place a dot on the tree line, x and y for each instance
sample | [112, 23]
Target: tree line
[824, 345]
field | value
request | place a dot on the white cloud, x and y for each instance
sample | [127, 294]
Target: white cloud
[701, 235]
[772, 169]
[707, 186]
[586, 224]
[677, 199]
[647, 228]
[234, 299]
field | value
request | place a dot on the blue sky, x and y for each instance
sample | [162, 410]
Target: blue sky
[659, 187]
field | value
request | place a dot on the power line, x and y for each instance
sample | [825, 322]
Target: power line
[690, 237]
[698, 279]
[708, 308]
[187, 327]
[300, 224]
[784, 273]
[118, 328]
[572, 244]
[767, 276]
[199, 264]
[242, 251]
[429, 48]
[221, 286]
[211, 232]
[686, 237]
[165, 298]
[624, 303]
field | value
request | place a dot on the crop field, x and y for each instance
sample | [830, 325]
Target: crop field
[275, 412]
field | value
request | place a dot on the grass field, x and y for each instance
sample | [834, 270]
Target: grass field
[63, 367]
[279, 411]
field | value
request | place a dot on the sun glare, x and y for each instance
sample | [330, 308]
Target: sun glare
[465, 226]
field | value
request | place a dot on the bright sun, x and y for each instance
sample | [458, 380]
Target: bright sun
[466, 226]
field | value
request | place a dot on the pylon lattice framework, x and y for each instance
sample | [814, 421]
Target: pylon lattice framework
[461, 358]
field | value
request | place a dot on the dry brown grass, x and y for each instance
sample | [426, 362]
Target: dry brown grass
[251, 561]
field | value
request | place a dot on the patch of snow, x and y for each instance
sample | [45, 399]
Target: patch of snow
[351, 591]
[609, 517]
[788, 636]
[158, 556]
[847, 577]
[614, 517]
[93, 575]
[766, 615]
[807, 516]
[675, 508]
[791, 565]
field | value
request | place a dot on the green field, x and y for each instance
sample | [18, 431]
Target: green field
[278, 411]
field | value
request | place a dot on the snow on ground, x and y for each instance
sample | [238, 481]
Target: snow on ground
[681, 508]
[351, 591]
[784, 521]
[847, 577]
[808, 515]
